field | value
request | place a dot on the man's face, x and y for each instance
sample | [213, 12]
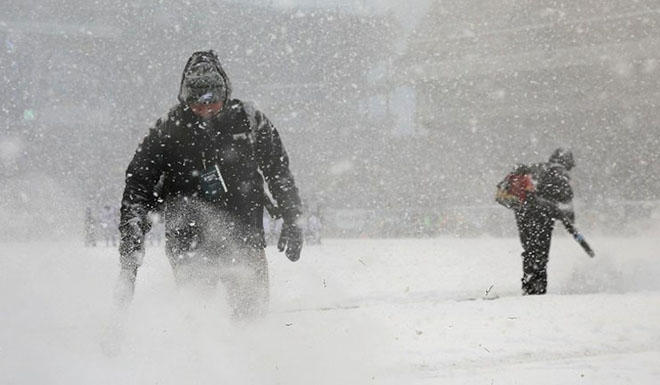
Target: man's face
[206, 110]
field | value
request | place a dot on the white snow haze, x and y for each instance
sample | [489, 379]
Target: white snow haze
[399, 119]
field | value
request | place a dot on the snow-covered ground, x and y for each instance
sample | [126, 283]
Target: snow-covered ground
[349, 312]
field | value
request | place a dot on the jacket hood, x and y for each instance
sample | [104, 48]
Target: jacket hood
[204, 77]
[563, 157]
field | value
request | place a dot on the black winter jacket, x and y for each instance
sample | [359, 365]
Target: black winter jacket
[554, 184]
[168, 167]
[553, 195]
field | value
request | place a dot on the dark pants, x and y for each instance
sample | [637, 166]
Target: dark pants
[535, 230]
[206, 246]
[243, 270]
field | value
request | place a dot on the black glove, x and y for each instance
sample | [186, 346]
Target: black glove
[291, 238]
[570, 215]
[566, 211]
[131, 244]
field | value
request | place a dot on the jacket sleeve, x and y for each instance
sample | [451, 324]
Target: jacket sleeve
[274, 164]
[140, 197]
[556, 194]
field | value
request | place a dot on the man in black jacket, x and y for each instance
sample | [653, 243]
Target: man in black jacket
[535, 218]
[203, 166]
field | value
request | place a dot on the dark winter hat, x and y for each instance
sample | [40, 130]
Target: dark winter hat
[204, 80]
[563, 157]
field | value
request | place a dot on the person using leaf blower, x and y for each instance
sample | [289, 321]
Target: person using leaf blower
[203, 167]
[539, 194]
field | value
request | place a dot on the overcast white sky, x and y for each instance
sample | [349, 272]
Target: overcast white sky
[408, 11]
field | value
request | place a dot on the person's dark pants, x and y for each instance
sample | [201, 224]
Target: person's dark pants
[243, 270]
[535, 230]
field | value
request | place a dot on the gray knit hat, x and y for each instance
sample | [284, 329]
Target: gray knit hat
[204, 80]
